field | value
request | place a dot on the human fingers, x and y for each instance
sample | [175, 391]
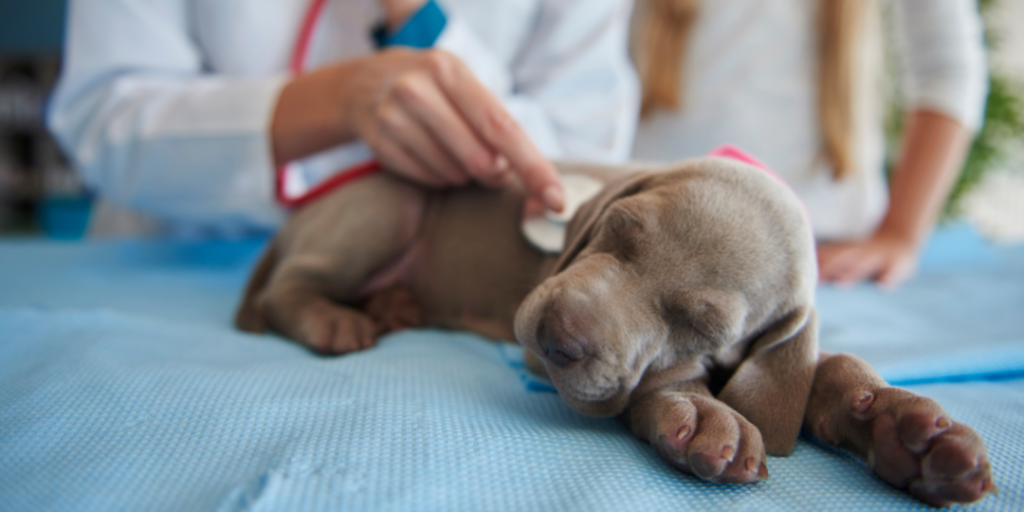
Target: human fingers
[833, 259]
[404, 128]
[898, 271]
[504, 175]
[422, 96]
[497, 129]
[397, 159]
[866, 265]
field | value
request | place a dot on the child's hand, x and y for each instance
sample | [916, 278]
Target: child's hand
[889, 260]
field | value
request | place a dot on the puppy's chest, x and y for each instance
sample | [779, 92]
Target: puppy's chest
[722, 367]
[472, 266]
[712, 363]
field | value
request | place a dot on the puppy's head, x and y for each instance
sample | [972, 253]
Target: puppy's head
[665, 273]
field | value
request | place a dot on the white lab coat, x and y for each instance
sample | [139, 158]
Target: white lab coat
[165, 105]
[750, 80]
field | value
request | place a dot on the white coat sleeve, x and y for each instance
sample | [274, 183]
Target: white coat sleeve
[149, 130]
[943, 51]
[571, 86]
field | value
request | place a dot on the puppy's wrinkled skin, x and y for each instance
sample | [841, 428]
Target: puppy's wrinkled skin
[683, 304]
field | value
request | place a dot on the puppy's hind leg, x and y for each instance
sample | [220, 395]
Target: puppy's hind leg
[328, 253]
[297, 305]
[906, 439]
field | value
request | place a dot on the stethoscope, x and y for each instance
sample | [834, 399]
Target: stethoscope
[297, 66]
[545, 231]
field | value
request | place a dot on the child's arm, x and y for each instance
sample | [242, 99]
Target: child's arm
[934, 149]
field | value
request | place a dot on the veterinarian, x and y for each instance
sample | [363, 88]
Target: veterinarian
[212, 113]
[797, 84]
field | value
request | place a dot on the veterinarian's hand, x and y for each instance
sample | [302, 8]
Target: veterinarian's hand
[887, 259]
[424, 115]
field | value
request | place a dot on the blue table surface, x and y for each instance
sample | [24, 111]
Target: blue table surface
[123, 386]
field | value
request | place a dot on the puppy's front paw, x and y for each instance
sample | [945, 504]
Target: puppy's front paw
[917, 446]
[704, 437]
[336, 330]
[909, 442]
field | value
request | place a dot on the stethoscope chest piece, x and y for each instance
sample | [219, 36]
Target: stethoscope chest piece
[546, 230]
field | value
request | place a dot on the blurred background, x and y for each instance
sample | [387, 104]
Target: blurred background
[41, 196]
[38, 190]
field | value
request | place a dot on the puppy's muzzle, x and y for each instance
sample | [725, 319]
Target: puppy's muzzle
[560, 346]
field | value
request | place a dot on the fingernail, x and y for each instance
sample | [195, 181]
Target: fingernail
[762, 472]
[943, 422]
[751, 463]
[554, 198]
[728, 453]
[683, 432]
[863, 403]
[988, 487]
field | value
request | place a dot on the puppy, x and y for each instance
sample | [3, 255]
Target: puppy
[683, 304]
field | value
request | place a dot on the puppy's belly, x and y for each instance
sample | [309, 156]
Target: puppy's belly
[482, 312]
[464, 261]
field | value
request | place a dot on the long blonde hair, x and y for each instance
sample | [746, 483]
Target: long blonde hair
[666, 33]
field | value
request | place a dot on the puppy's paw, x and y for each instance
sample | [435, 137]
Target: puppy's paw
[394, 309]
[335, 330]
[915, 445]
[706, 438]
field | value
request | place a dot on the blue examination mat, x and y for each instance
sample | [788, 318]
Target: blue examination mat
[123, 386]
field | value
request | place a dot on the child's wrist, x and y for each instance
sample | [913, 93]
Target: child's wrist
[910, 238]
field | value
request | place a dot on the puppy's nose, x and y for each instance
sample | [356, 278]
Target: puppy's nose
[559, 346]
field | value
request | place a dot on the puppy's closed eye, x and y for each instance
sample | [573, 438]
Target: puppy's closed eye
[688, 330]
[704, 318]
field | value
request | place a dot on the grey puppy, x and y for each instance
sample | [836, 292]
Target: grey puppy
[683, 304]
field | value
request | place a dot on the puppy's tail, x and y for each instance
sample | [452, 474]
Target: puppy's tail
[250, 317]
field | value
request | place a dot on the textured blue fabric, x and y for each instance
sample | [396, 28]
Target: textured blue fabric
[962, 317]
[122, 386]
[102, 410]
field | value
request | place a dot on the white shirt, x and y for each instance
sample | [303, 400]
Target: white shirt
[165, 105]
[750, 80]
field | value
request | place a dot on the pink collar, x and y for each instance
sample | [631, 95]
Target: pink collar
[735, 153]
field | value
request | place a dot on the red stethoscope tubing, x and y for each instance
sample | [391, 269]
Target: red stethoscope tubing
[341, 178]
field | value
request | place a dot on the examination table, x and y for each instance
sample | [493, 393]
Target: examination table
[124, 386]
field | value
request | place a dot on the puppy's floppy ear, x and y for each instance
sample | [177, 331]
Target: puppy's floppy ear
[581, 226]
[772, 385]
